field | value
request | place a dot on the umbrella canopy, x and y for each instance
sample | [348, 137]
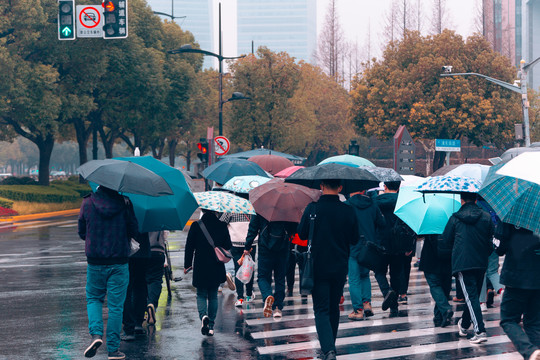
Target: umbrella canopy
[410, 180]
[279, 201]
[515, 201]
[449, 184]
[476, 171]
[352, 178]
[271, 163]
[383, 174]
[125, 176]
[297, 160]
[226, 169]
[525, 166]
[222, 201]
[169, 212]
[244, 184]
[350, 160]
[425, 213]
[288, 171]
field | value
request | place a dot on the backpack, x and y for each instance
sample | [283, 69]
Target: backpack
[404, 237]
[277, 236]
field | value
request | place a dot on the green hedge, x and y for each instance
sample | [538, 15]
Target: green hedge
[5, 203]
[57, 192]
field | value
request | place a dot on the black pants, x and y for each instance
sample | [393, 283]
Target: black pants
[154, 277]
[293, 260]
[135, 303]
[440, 285]
[471, 282]
[517, 303]
[326, 295]
[237, 254]
[397, 282]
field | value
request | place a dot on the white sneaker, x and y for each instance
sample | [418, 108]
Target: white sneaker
[535, 355]
[483, 307]
[239, 303]
[461, 331]
[230, 282]
[250, 298]
[478, 338]
[277, 314]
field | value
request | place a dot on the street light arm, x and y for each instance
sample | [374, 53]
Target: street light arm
[168, 15]
[204, 52]
[496, 81]
[531, 64]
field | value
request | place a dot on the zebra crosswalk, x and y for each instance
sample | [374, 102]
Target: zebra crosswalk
[410, 335]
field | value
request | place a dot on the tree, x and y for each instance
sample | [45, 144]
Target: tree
[404, 88]
[332, 44]
[440, 17]
[534, 115]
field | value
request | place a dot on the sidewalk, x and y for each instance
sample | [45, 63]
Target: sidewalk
[19, 218]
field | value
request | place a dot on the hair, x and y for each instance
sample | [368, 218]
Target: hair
[468, 197]
[331, 183]
[393, 185]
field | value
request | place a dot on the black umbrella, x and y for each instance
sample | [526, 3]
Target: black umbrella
[124, 176]
[226, 169]
[383, 174]
[353, 179]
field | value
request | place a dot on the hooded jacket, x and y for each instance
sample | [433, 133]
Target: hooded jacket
[468, 233]
[369, 218]
[107, 223]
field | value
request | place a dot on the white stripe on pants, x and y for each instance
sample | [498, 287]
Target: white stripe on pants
[468, 302]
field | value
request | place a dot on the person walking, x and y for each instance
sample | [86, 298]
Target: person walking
[208, 271]
[468, 234]
[274, 240]
[155, 266]
[368, 217]
[335, 230]
[520, 275]
[106, 223]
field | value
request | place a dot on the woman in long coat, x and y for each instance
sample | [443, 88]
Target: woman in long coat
[208, 271]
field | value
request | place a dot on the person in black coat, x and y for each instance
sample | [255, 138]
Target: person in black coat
[468, 234]
[208, 271]
[335, 230]
[521, 275]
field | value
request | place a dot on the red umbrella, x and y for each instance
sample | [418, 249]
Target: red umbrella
[279, 201]
[271, 163]
[285, 173]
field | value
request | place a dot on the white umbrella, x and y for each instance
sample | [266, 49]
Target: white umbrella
[525, 166]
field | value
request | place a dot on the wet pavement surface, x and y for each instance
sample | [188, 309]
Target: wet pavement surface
[42, 300]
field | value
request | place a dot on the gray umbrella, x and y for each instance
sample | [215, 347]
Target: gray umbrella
[383, 174]
[353, 179]
[124, 176]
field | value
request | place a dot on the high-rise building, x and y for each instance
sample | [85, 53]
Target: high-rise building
[280, 25]
[198, 20]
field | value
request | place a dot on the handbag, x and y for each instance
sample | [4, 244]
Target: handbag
[307, 281]
[370, 255]
[222, 255]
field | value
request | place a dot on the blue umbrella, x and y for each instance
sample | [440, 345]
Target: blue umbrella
[349, 160]
[425, 213]
[226, 169]
[450, 184]
[244, 184]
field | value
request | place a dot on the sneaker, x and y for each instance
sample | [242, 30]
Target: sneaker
[239, 303]
[447, 318]
[357, 314]
[437, 321]
[535, 355]
[116, 355]
[267, 311]
[331, 355]
[230, 282]
[127, 336]
[478, 338]
[455, 299]
[210, 332]
[277, 314]
[390, 300]
[204, 325]
[150, 314]
[483, 307]
[490, 297]
[368, 310]
[289, 293]
[341, 300]
[94, 345]
[402, 299]
[250, 298]
[139, 330]
[394, 312]
[461, 331]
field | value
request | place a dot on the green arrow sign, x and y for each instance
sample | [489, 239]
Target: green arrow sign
[66, 31]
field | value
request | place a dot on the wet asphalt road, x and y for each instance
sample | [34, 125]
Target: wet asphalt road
[42, 300]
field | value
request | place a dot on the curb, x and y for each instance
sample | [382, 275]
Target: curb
[41, 216]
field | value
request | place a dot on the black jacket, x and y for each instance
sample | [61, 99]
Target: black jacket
[468, 233]
[430, 261]
[336, 229]
[258, 225]
[521, 268]
[207, 270]
[368, 217]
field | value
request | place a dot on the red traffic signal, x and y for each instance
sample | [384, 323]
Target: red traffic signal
[202, 147]
[108, 6]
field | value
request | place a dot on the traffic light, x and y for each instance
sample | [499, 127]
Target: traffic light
[66, 20]
[203, 148]
[115, 19]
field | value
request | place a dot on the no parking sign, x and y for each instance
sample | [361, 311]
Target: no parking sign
[89, 21]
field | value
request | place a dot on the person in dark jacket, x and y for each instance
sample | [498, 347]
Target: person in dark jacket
[369, 218]
[521, 276]
[468, 233]
[335, 230]
[274, 243]
[208, 271]
[106, 224]
[438, 273]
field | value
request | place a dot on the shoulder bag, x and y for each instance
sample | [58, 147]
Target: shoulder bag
[222, 255]
[307, 282]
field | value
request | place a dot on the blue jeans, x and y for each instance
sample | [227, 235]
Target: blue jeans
[359, 284]
[492, 273]
[276, 262]
[110, 280]
[439, 287]
[207, 303]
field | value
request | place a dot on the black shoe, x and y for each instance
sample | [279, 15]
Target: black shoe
[402, 300]
[331, 355]
[394, 312]
[204, 326]
[94, 345]
[447, 318]
[437, 321]
[390, 300]
[116, 355]
[151, 314]
[139, 330]
[127, 336]
[490, 297]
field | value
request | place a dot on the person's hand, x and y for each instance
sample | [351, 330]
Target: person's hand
[246, 252]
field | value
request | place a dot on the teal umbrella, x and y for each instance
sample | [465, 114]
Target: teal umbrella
[428, 213]
[170, 212]
[349, 160]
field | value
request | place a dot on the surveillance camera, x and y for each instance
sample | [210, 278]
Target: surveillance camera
[447, 69]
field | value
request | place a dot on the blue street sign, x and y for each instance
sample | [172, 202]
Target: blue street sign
[447, 145]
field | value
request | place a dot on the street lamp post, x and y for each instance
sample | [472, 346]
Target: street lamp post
[521, 89]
